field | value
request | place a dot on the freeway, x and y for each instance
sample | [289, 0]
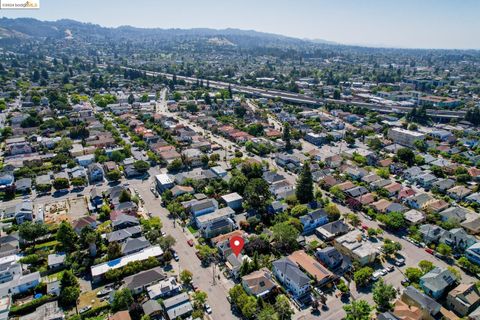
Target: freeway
[304, 99]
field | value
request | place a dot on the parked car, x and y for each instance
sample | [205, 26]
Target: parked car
[404, 282]
[390, 268]
[207, 308]
[428, 250]
[175, 256]
[85, 309]
[399, 262]
[104, 291]
[190, 242]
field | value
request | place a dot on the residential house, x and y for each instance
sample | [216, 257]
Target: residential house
[292, 278]
[463, 299]
[178, 306]
[306, 263]
[55, 261]
[334, 260]
[473, 253]
[458, 239]
[457, 213]
[313, 220]
[429, 307]
[83, 222]
[132, 245]
[437, 281]
[418, 201]
[47, 311]
[414, 217]
[331, 230]
[153, 310]
[277, 207]
[95, 173]
[352, 245]
[124, 221]
[459, 192]
[233, 200]
[138, 282]
[259, 283]
[165, 288]
[431, 233]
[202, 207]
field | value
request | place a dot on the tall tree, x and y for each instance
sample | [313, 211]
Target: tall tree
[304, 189]
[383, 294]
[286, 136]
[257, 194]
[67, 237]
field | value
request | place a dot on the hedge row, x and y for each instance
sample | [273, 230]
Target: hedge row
[30, 306]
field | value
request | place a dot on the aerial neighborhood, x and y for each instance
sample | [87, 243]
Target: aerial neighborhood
[127, 167]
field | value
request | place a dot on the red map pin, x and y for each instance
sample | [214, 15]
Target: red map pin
[236, 243]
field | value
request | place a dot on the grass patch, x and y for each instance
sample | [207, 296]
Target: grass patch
[90, 299]
[56, 275]
[52, 243]
[192, 229]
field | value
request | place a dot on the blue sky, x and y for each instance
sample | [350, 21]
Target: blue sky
[388, 23]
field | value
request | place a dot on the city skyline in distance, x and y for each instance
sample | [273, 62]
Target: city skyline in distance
[428, 24]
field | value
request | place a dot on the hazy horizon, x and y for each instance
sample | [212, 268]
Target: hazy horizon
[427, 24]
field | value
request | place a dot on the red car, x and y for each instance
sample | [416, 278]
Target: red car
[190, 242]
[429, 250]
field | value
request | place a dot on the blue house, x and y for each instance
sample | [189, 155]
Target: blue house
[473, 253]
[313, 220]
[437, 281]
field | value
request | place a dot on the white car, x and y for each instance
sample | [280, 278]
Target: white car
[207, 308]
[85, 309]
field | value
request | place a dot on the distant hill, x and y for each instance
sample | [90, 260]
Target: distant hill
[28, 28]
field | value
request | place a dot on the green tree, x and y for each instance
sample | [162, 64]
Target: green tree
[122, 300]
[391, 247]
[287, 136]
[413, 274]
[282, 306]
[199, 299]
[125, 196]
[406, 155]
[333, 212]
[186, 277]
[357, 310]
[393, 220]
[114, 250]
[285, 236]
[383, 294]
[167, 242]
[67, 237]
[362, 276]
[175, 165]
[299, 210]
[257, 194]
[304, 190]
[444, 249]
[68, 280]
[141, 166]
[69, 289]
[238, 183]
[32, 231]
[206, 253]
[61, 183]
[426, 266]
[114, 175]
